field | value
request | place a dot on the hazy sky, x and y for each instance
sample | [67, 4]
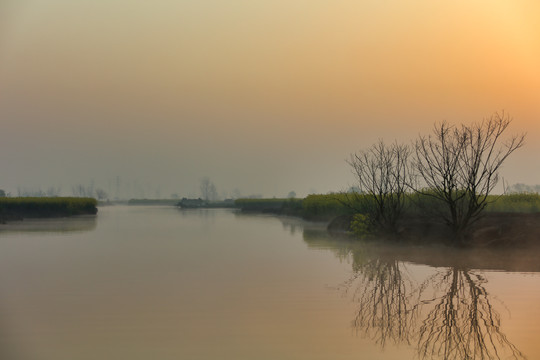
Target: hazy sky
[266, 96]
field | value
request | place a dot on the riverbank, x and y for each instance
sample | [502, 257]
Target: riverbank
[493, 229]
[19, 208]
[509, 220]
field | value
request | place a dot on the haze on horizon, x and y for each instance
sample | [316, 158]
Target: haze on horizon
[266, 97]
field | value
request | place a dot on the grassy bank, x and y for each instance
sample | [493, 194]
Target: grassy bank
[313, 207]
[44, 207]
[521, 203]
[331, 206]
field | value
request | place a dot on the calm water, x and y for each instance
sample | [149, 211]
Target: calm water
[160, 283]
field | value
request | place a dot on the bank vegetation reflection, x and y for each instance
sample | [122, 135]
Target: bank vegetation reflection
[446, 315]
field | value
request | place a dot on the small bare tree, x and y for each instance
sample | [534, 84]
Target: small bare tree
[459, 166]
[382, 174]
[101, 194]
[208, 189]
[53, 191]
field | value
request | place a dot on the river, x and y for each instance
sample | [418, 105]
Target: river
[140, 282]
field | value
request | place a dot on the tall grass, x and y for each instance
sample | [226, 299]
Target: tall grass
[313, 207]
[329, 206]
[33, 207]
[321, 207]
[523, 202]
[326, 207]
[275, 205]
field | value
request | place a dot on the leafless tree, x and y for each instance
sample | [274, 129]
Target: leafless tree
[208, 189]
[80, 190]
[382, 175]
[101, 194]
[459, 167]
[25, 192]
[53, 191]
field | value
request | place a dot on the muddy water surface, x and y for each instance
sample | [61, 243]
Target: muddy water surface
[160, 283]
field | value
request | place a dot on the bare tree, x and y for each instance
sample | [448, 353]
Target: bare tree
[101, 194]
[208, 189]
[25, 192]
[80, 190]
[382, 174]
[459, 166]
[53, 191]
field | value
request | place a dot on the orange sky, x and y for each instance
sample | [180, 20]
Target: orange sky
[264, 96]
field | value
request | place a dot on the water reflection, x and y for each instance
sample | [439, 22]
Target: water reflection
[56, 225]
[206, 214]
[445, 312]
[462, 323]
[383, 293]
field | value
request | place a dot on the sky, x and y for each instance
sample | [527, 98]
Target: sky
[145, 98]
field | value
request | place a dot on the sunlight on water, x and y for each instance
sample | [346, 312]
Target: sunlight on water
[157, 282]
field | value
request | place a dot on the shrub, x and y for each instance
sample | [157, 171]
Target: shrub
[361, 226]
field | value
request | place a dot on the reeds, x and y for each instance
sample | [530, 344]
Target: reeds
[37, 207]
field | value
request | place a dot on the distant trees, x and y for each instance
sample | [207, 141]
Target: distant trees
[101, 194]
[89, 191]
[521, 188]
[236, 193]
[80, 190]
[456, 166]
[2, 193]
[53, 191]
[208, 189]
[25, 192]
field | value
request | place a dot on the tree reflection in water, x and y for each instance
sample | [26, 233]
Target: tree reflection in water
[383, 293]
[462, 323]
[448, 316]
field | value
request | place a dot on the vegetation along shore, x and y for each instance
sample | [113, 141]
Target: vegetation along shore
[511, 219]
[436, 189]
[18, 208]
